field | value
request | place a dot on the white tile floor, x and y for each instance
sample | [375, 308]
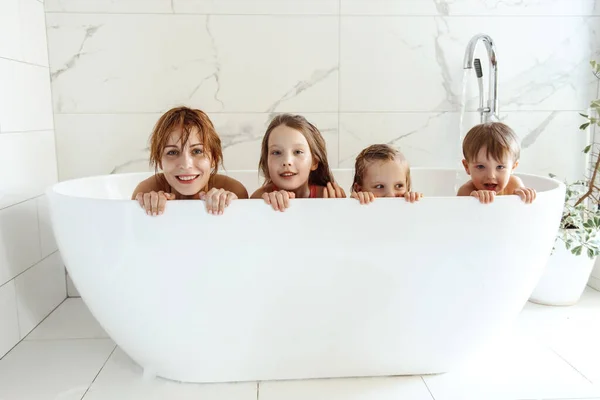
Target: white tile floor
[552, 353]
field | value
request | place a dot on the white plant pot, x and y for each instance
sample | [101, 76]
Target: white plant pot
[564, 279]
[594, 281]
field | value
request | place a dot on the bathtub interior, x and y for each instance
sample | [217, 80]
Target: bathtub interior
[433, 182]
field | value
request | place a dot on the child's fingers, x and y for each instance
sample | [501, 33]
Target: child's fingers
[281, 203]
[353, 195]
[275, 200]
[339, 192]
[371, 196]
[266, 198]
[361, 196]
[325, 195]
[292, 195]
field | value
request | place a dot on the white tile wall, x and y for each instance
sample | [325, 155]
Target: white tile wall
[39, 290]
[27, 165]
[19, 239]
[30, 284]
[25, 101]
[9, 322]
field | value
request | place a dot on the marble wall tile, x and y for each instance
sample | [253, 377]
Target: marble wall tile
[270, 7]
[391, 64]
[470, 7]
[100, 144]
[149, 63]
[104, 6]
[550, 140]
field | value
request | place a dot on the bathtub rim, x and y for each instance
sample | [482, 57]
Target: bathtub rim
[58, 188]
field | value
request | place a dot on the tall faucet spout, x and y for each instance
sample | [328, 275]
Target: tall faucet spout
[492, 104]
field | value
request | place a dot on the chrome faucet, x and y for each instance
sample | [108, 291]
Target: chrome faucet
[490, 111]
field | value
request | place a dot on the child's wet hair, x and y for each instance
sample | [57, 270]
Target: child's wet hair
[186, 119]
[318, 149]
[378, 152]
[498, 139]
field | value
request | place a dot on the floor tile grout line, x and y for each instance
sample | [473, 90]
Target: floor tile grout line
[429, 390]
[99, 372]
[571, 365]
[45, 318]
[68, 339]
[33, 329]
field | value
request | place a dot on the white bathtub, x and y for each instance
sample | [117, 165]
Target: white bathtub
[328, 288]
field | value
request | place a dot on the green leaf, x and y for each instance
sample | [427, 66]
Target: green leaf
[584, 126]
[590, 253]
[551, 175]
[584, 115]
[587, 148]
[577, 250]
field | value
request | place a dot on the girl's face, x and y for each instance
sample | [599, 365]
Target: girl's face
[289, 160]
[384, 179]
[187, 169]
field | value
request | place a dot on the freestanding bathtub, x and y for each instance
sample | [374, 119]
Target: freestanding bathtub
[328, 288]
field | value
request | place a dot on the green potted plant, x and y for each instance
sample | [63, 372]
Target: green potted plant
[577, 243]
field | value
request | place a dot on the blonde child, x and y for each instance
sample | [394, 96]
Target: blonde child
[185, 145]
[293, 161]
[491, 153]
[382, 171]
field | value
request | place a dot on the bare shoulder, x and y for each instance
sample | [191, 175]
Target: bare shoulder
[466, 189]
[151, 184]
[514, 182]
[262, 190]
[231, 185]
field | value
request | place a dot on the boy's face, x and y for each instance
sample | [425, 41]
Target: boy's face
[384, 179]
[186, 167]
[490, 174]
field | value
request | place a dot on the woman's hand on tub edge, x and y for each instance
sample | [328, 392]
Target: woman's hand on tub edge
[484, 196]
[528, 195]
[217, 199]
[279, 200]
[413, 196]
[333, 191]
[363, 197]
[154, 202]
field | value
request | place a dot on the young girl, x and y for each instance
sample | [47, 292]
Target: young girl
[294, 163]
[185, 145]
[382, 171]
